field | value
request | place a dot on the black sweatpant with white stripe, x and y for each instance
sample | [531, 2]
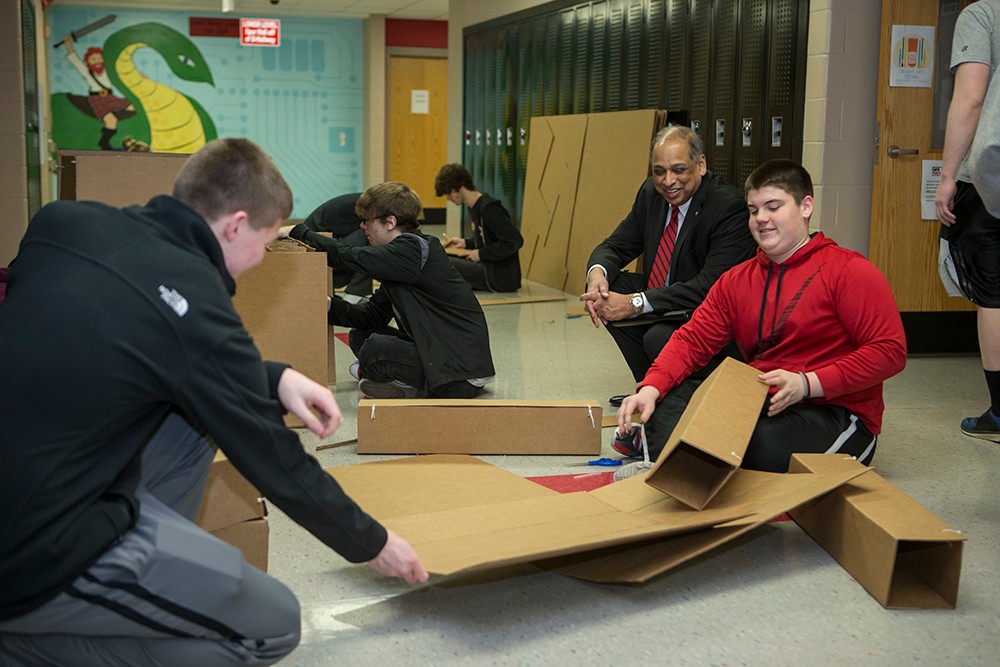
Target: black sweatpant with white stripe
[169, 593]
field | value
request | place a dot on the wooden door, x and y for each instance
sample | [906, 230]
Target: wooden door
[904, 246]
[418, 125]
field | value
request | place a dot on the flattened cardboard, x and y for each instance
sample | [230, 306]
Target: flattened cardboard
[229, 498]
[282, 303]
[707, 446]
[582, 174]
[414, 426]
[903, 555]
[481, 517]
[250, 537]
[549, 194]
[760, 495]
[463, 515]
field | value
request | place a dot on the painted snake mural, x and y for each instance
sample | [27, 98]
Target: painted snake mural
[166, 119]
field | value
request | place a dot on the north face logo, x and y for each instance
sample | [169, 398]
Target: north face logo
[174, 299]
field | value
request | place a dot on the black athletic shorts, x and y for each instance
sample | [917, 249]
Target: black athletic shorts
[974, 242]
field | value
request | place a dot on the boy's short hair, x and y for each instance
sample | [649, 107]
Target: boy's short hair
[675, 132]
[391, 198]
[451, 177]
[229, 175]
[786, 175]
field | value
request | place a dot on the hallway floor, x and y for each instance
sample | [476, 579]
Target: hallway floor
[772, 597]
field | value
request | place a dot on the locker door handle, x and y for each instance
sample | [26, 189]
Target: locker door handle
[895, 151]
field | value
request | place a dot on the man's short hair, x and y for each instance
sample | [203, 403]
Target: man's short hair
[451, 177]
[391, 198]
[229, 175]
[786, 175]
[674, 132]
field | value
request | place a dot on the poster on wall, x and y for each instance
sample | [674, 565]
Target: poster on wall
[912, 62]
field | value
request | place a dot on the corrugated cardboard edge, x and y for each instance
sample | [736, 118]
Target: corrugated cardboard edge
[903, 554]
[708, 443]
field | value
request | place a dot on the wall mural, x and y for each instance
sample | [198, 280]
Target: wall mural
[153, 116]
[127, 79]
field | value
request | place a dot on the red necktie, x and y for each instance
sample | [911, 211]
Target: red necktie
[661, 265]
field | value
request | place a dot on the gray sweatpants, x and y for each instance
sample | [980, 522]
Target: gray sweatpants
[169, 593]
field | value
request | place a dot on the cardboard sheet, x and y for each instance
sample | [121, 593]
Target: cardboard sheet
[761, 496]
[582, 175]
[463, 515]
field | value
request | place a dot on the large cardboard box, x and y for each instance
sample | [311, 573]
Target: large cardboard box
[283, 305]
[117, 178]
[229, 498]
[903, 554]
[478, 426]
[233, 511]
[463, 515]
[707, 446]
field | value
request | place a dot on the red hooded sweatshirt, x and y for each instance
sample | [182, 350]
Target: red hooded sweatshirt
[825, 309]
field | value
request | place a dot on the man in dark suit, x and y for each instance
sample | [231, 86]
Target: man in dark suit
[689, 226]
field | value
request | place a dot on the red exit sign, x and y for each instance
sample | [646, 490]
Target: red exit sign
[260, 32]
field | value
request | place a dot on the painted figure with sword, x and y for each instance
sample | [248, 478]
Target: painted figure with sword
[100, 102]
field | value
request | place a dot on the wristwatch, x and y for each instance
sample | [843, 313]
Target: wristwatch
[637, 304]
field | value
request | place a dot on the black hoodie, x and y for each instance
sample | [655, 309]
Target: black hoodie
[114, 318]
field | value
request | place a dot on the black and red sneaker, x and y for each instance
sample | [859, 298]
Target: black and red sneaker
[630, 444]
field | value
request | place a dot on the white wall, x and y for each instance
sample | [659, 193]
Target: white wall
[839, 129]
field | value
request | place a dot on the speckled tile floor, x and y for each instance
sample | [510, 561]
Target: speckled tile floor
[771, 598]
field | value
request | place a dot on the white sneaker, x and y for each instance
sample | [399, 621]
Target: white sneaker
[355, 370]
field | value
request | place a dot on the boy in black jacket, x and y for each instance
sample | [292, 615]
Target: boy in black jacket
[492, 262]
[125, 365]
[442, 346]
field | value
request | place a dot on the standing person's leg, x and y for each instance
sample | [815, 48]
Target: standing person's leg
[167, 593]
[975, 248]
[807, 428]
[473, 273]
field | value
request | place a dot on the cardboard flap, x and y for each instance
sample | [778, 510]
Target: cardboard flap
[418, 485]
[461, 514]
[760, 495]
[710, 439]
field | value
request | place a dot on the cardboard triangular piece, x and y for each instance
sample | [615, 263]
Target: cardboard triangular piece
[708, 443]
[903, 554]
[760, 496]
